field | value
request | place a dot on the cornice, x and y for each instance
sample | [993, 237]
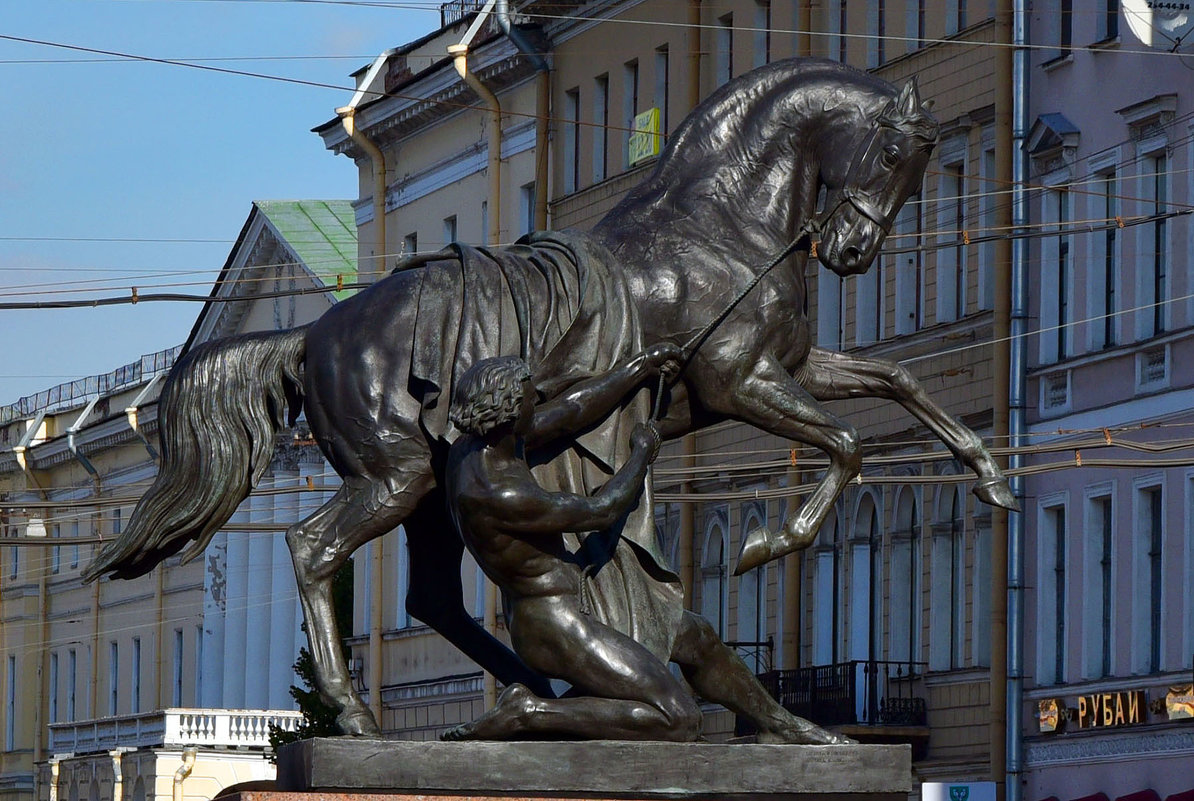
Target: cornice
[1123, 744]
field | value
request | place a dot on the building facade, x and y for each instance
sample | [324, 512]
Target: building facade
[1109, 641]
[220, 632]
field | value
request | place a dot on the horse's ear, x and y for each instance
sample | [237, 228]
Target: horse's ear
[833, 99]
[909, 100]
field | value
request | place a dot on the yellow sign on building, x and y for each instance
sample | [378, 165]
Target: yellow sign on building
[646, 140]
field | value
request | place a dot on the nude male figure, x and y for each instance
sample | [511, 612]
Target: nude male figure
[514, 529]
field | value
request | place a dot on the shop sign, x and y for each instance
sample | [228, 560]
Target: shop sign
[1179, 702]
[644, 142]
[1103, 710]
[1050, 713]
[957, 791]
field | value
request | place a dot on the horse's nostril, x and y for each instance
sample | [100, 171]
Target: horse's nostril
[851, 256]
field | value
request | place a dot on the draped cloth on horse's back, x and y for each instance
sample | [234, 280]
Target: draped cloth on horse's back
[556, 300]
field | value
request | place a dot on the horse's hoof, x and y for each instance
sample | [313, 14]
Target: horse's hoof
[358, 723]
[996, 492]
[756, 550]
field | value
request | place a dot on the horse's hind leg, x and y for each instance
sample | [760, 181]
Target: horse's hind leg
[436, 597]
[828, 375]
[361, 510]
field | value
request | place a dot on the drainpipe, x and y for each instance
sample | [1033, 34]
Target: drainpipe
[501, 12]
[347, 116]
[184, 770]
[459, 54]
[1019, 318]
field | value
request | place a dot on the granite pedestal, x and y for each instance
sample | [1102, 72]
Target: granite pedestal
[357, 768]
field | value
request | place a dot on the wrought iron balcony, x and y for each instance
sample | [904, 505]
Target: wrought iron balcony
[859, 693]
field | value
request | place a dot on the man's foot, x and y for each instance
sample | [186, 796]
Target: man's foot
[506, 719]
[799, 731]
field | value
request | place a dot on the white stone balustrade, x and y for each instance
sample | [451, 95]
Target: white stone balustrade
[210, 728]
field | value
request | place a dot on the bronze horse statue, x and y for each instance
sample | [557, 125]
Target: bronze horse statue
[737, 183]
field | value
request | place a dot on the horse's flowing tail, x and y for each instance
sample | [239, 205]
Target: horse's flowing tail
[218, 415]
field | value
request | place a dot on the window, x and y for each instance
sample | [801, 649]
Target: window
[1156, 193]
[53, 688]
[14, 562]
[876, 28]
[72, 676]
[526, 208]
[713, 575]
[827, 624]
[868, 315]
[988, 204]
[947, 614]
[410, 244]
[905, 581]
[601, 123]
[176, 697]
[951, 259]
[572, 140]
[1105, 266]
[831, 312]
[762, 54]
[1108, 20]
[662, 76]
[117, 522]
[402, 617]
[1098, 581]
[113, 678]
[1065, 27]
[724, 63]
[10, 706]
[1056, 273]
[1147, 594]
[629, 106]
[56, 551]
[865, 592]
[909, 313]
[1051, 606]
[955, 16]
[74, 554]
[449, 230]
[914, 24]
[842, 23]
[486, 237]
[136, 674]
[752, 600]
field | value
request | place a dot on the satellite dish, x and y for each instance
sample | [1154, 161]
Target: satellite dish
[1161, 24]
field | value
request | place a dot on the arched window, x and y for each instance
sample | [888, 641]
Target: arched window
[905, 580]
[752, 599]
[713, 573]
[827, 624]
[947, 618]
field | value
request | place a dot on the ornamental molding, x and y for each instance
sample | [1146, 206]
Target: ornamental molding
[1124, 744]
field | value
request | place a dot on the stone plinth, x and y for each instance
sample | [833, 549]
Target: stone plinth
[592, 770]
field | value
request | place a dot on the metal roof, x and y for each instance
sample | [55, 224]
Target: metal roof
[322, 233]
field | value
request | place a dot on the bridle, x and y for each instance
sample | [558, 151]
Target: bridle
[863, 203]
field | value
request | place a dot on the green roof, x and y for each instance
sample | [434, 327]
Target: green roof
[322, 233]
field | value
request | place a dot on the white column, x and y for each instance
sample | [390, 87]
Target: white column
[282, 649]
[259, 601]
[215, 609]
[235, 633]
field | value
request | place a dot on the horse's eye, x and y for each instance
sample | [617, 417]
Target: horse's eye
[891, 157]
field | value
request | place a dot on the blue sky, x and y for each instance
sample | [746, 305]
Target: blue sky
[141, 151]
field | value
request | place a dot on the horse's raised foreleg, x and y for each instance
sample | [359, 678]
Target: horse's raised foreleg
[361, 510]
[829, 375]
[772, 400]
[436, 597]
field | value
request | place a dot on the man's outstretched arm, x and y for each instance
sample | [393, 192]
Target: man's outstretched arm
[537, 511]
[591, 400]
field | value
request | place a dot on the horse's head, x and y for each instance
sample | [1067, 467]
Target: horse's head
[865, 193]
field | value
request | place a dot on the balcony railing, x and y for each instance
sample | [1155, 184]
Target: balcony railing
[210, 728]
[860, 692]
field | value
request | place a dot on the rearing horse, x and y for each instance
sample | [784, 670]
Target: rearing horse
[737, 184]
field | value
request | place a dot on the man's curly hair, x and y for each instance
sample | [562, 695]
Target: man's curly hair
[489, 394]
